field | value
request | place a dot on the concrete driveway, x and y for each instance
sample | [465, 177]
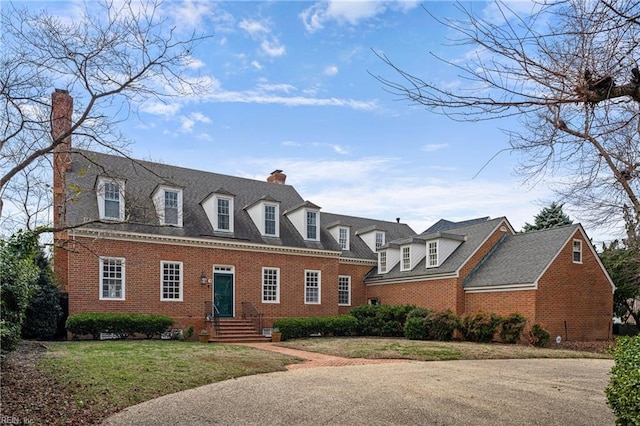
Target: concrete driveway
[494, 392]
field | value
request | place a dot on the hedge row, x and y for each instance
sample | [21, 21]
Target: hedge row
[413, 323]
[123, 325]
[622, 393]
[291, 328]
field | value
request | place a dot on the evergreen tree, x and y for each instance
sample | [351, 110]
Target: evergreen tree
[44, 310]
[549, 217]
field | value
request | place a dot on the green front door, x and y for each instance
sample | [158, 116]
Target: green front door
[223, 293]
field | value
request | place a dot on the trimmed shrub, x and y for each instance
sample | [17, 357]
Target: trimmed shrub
[381, 320]
[292, 328]
[123, 325]
[414, 329]
[538, 336]
[622, 393]
[512, 328]
[419, 313]
[441, 325]
[480, 327]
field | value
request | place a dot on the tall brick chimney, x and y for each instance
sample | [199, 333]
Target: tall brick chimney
[61, 112]
[277, 176]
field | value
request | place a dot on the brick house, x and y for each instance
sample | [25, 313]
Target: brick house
[196, 245]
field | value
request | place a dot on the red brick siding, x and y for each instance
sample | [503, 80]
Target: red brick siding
[503, 303]
[436, 294]
[578, 294]
[142, 285]
[358, 291]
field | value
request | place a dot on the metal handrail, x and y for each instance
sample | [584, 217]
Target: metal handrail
[250, 310]
[211, 313]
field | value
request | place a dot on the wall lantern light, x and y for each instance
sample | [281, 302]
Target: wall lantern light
[203, 278]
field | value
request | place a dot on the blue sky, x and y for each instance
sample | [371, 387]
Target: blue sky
[293, 90]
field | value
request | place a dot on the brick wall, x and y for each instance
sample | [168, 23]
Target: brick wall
[142, 285]
[578, 295]
[437, 294]
[503, 303]
[358, 290]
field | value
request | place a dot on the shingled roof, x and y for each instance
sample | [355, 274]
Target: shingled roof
[520, 259]
[474, 235]
[142, 178]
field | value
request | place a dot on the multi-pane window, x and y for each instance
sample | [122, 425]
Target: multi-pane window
[577, 251]
[171, 281]
[312, 225]
[170, 207]
[343, 238]
[406, 258]
[270, 219]
[311, 286]
[382, 256]
[224, 213]
[379, 240]
[344, 290]
[111, 278]
[112, 200]
[432, 253]
[270, 285]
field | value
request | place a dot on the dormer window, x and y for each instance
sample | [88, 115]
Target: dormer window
[312, 225]
[343, 238]
[382, 262]
[379, 239]
[219, 207]
[270, 219]
[223, 214]
[110, 199]
[168, 202]
[406, 258]
[432, 254]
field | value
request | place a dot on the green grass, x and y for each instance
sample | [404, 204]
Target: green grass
[123, 373]
[357, 347]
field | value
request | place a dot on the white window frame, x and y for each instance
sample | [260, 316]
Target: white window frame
[102, 181]
[121, 261]
[316, 215]
[405, 262]
[216, 213]
[277, 284]
[164, 263]
[344, 280]
[578, 251]
[343, 238]
[276, 220]
[432, 262]
[379, 239]
[308, 273]
[382, 261]
[178, 207]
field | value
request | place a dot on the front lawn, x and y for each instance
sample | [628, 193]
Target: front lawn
[419, 350]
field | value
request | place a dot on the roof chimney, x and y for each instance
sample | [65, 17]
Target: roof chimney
[61, 111]
[397, 220]
[277, 176]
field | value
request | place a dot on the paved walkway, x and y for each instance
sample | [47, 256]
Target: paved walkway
[315, 359]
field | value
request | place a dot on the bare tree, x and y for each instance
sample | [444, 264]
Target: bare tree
[111, 56]
[568, 72]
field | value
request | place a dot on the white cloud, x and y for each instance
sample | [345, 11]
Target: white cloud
[349, 12]
[331, 70]
[267, 87]
[188, 122]
[355, 187]
[159, 108]
[257, 65]
[272, 48]
[193, 63]
[189, 14]
[254, 28]
[434, 147]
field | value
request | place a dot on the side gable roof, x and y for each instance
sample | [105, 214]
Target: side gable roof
[520, 259]
[445, 225]
[475, 234]
[358, 249]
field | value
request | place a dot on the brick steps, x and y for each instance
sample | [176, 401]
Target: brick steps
[236, 330]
